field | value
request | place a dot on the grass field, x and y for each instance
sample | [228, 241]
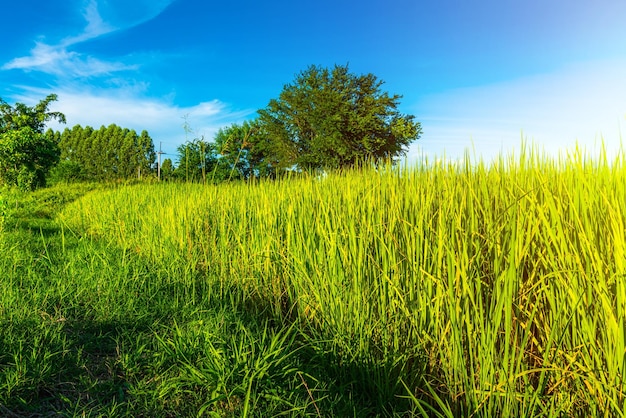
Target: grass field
[438, 290]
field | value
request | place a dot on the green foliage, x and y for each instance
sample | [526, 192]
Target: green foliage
[326, 119]
[198, 162]
[35, 117]
[332, 119]
[3, 214]
[107, 154]
[26, 153]
[167, 169]
[244, 151]
[66, 171]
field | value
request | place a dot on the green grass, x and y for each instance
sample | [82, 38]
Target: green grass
[92, 329]
[438, 290]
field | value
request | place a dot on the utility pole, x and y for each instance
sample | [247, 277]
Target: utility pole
[202, 145]
[159, 166]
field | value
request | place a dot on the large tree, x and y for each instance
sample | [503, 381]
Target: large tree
[331, 118]
[26, 152]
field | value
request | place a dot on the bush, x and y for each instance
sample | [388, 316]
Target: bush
[66, 172]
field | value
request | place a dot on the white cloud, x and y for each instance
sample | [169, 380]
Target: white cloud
[42, 55]
[126, 14]
[96, 26]
[583, 103]
[59, 60]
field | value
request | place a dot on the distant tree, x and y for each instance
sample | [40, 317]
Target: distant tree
[243, 151]
[109, 153]
[167, 169]
[126, 158]
[26, 152]
[145, 155]
[66, 172]
[332, 118]
[197, 161]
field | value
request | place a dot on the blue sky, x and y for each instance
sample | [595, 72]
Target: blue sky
[477, 74]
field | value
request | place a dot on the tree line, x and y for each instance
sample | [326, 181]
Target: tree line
[327, 118]
[107, 154]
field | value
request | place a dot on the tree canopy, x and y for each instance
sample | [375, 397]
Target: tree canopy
[26, 152]
[331, 118]
[325, 119]
[109, 153]
[197, 161]
[244, 151]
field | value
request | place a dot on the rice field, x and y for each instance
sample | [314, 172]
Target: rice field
[463, 289]
[441, 289]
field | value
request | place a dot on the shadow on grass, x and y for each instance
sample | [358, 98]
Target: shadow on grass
[160, 359]
[59, 366]
[168, 356]
[37, 227]
[343, 382]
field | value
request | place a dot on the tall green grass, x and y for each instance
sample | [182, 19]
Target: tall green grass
[457, 289]
[92, 329]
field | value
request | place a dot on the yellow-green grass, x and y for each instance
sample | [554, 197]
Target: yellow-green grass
[466, 289]
[92, 329]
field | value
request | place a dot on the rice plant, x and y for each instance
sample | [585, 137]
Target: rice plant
[448, 289]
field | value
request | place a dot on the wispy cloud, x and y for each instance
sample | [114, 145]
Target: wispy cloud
[57, 60]
[583, 104]
[96, 26]
[61, 61]
[125, 14]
